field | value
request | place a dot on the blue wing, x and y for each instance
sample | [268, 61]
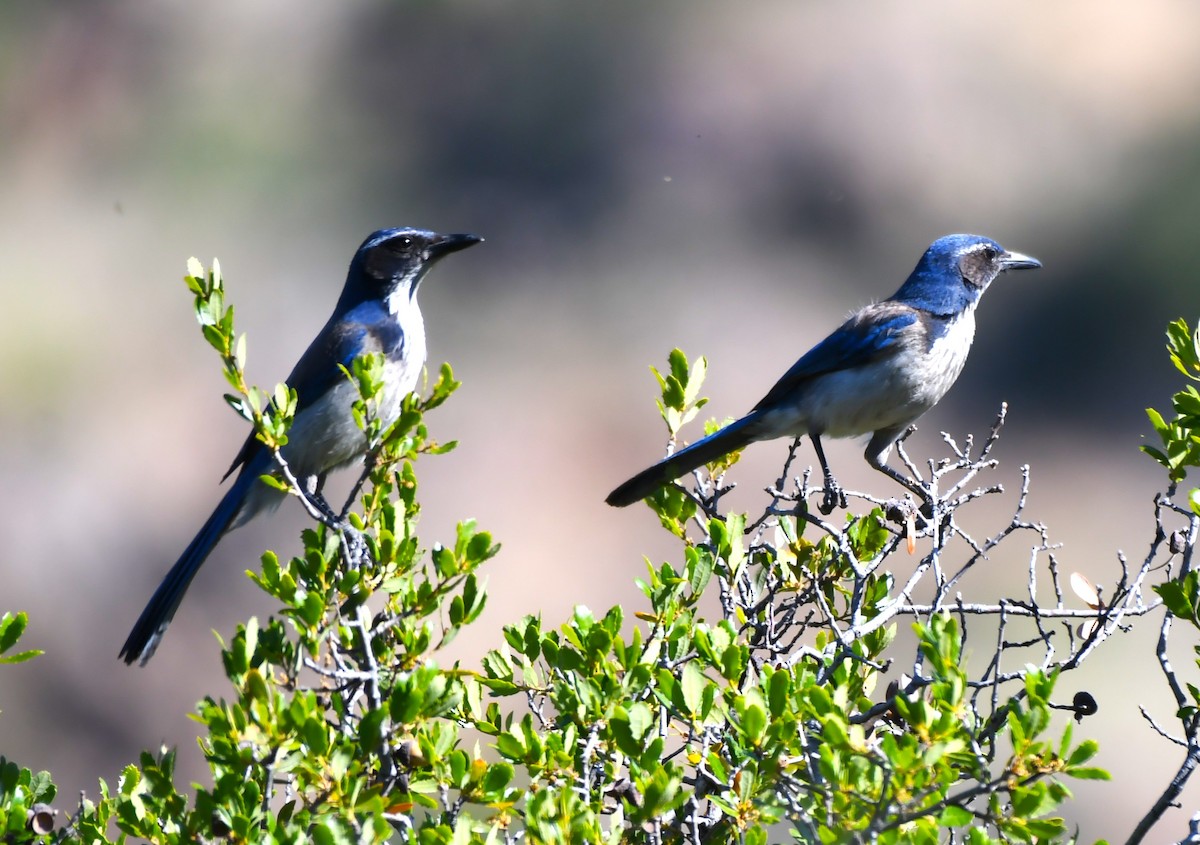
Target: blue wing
[366, 328]
[869, 335]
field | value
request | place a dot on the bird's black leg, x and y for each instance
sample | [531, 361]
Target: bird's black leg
[834, 497]
[312, 486]
[353, 545]
[877, 453]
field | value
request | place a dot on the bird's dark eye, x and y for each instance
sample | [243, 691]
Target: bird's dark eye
[400, 246]
[990, 253]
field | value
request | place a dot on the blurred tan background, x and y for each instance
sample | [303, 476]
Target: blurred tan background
[728, 178]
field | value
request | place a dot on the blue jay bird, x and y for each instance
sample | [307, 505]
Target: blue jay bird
[377, 312]
[876, 374]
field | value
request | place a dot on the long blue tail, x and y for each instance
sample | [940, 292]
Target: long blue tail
[149, 628]
[734, 436]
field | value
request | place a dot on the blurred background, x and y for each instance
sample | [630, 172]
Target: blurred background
[727, 178]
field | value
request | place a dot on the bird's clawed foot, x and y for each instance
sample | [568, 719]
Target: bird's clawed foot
[913, 485]
[833, 497]
[922, 495]
[926, 509]
[354, 545]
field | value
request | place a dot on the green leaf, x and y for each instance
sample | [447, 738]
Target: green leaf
[834, 732]
[499, 687]
[977, 836]
[370, 730]
[22, 656]
[679, 365]
[955, 816]
[1157, 455]
[1182, 596]
[1084, 752]
[754, 722]
[1156, 420]
[11, 628]
[510, 745]
[692, 685]
[498, 776]
[1183, 347]
[778, 689]
[695, 381]
[239, 352]
[672, 394]
[699, 568]
[630, 728]
[641, 719]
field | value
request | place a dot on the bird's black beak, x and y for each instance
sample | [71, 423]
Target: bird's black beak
[446, 244]
[1017, 261]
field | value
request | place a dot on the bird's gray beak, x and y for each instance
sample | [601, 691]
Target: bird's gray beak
[446, 244]
[1017, 261]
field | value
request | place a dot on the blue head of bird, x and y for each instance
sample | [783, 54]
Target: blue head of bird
[956, 270]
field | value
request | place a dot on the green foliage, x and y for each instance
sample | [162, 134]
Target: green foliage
[25, 797]
[1182, 599]
[1181, 436]
[12, 626]
[24, 803]
[216, 324]
[679, 713]
[685, 725]
[340, 725]
[680, 389]
[1181, 448]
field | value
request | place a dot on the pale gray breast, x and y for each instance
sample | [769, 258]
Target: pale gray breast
[325, 436]
[935, 371]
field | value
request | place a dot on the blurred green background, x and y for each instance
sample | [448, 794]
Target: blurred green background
[727, 178]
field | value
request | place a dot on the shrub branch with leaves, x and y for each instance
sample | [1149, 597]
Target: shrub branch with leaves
[793, 675]
[778, 711]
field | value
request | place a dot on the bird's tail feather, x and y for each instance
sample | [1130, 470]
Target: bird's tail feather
[149, 628]
[734, 436]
